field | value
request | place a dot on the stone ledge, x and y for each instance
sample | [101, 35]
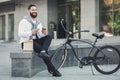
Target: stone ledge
[25, 64]
[101, 42]
[21, 55]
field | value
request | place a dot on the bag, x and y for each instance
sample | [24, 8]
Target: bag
[31, 46]
[28, 46]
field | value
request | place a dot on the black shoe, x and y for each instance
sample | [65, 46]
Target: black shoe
[50, 71]
[43, 55]
[56, 73]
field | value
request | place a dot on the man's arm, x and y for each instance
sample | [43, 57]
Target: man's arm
[41, 33]
[24, 29]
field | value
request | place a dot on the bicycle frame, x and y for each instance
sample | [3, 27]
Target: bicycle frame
[69, 40]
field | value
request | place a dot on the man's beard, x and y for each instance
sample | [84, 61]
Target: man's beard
[33, 15]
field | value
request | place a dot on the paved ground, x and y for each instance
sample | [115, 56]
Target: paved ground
[69, 73]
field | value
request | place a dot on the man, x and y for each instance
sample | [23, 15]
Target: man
[30, 28]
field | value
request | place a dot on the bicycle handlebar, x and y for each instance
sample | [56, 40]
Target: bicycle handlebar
[63, 26]
[69, 31]
[84, 31]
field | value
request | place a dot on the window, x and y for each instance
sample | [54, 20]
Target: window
[69, 10]
[11, 26]
[110, 17]
[2, 27]
[7, 27]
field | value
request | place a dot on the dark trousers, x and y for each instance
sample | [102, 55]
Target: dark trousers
[43, 44]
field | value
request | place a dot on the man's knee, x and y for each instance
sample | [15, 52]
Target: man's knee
[48, 36]
[44, 55]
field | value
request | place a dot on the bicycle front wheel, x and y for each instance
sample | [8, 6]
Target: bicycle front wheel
[107, 60]
[59, 57]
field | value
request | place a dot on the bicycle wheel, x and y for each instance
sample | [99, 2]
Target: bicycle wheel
[107, 60]
[59, 57]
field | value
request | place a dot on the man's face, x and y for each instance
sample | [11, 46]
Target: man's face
[33, 12]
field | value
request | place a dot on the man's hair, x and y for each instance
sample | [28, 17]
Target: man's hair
[31, 5]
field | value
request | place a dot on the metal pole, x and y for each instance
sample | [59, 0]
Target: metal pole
[112, 16]
[79, 26]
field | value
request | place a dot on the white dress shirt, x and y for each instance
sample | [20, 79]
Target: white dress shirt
[24, 30]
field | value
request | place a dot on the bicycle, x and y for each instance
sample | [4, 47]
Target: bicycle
[105, 59]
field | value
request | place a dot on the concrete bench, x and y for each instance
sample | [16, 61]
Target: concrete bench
[26, 63]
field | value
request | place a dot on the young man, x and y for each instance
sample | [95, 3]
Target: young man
[31, 29]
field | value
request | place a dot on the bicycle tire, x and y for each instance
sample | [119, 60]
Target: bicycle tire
[110, 63]
[59, 57]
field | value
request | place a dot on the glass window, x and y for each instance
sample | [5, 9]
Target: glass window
[2, 27]
[69, 10]
[11, 26]
[110, 17]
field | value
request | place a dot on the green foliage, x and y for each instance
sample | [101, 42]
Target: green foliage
[114, 22]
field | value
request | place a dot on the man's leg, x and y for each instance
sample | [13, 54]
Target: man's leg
[46, 41]
[50, 66]
[43, 44]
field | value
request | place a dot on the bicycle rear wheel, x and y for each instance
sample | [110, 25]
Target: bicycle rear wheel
[107, 60]
[59, 57]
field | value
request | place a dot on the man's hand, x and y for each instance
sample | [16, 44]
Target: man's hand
[34, 31]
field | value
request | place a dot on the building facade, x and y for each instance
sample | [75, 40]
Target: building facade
[93, 15]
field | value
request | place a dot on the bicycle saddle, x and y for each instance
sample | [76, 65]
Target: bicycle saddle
[98, 35]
